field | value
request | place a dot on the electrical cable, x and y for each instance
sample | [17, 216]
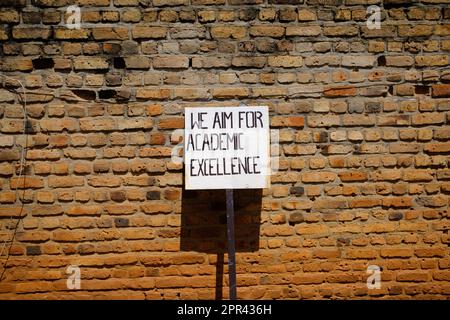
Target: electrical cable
[21, 171]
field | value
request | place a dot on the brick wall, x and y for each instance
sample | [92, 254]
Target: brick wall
[364, 148]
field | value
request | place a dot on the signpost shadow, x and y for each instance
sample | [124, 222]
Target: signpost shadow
[204, 224]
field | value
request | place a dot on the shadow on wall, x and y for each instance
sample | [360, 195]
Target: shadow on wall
[204, 224]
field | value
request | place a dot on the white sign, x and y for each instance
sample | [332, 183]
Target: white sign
[227, 148]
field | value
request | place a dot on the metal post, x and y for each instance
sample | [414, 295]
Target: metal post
[231, 245]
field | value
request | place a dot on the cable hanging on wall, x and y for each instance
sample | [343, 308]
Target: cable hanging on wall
[22, 165]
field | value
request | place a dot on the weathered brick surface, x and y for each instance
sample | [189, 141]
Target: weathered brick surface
[362, 114]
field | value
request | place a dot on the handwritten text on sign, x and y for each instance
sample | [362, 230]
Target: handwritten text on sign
[227, 148]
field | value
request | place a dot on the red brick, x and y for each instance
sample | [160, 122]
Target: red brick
[441, 90]
[430, 252]
[396, 252]
[443, 147]
[171, 123]
[233, 92]
[223, 32]
[84, 210]
[294, 256]
[398, 202]
[353, 176]
[417, 175]
[47, 210]
[309, 177]
[345, 91]
[361, 253]
[156, 152]
[266, 31]
[149, 32]
[104, 181]
[12, 211]
[156, 207]
[312, 229]
[364, 202]
[441, 275]
[327, 253]
[33, 236]
[330, 203]
[103, 124]
[343, 278]
[152, 94]
[58, 125]
[290, 121]
[65, 182]
[34, 286]
[413, 276]
[428, 118]
[43, 154]
[26, 182]
[380, 227]
[121, 209]
[303, 279]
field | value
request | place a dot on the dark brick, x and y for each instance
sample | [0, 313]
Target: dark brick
[153, 195]
[343, 242]
[84, 94]
[396, 3]
[296, 217]
[86, 248]
[118, 196]
[130, 47]
[248, 14]
[13, 3]
[33, 250]
[113, 79]
[266, 45]
[321, 137]
[119, 63]
[286, 1]
[43, 63]
[112, 48]
[298, 191]
[419, 89]
[395, 216]
[373, 107]
[121, 222]
[107, 94]
[31, 17]
[381, 61]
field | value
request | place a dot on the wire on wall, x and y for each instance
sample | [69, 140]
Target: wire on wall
[21, 172]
